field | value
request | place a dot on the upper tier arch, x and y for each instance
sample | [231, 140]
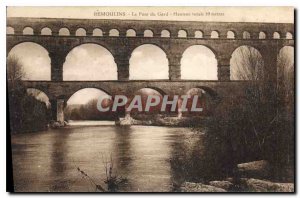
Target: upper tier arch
[18, 24]
[122, 46]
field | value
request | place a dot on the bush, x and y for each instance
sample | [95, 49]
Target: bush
[26, 112]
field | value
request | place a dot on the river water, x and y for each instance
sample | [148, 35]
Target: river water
[48, 160]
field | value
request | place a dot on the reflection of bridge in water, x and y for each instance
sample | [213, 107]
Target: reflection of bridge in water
[121, 37]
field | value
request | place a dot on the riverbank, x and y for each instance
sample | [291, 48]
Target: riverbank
[243, 185]
[128, 121]
[254, 177]
[166, 121]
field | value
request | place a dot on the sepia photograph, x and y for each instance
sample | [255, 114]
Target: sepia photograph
[150, 99]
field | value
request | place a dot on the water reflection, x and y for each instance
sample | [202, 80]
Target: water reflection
[122, 154]
[58, 155]
[151, 158]
[122, 150]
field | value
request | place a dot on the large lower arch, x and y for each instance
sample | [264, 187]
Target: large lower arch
[144, 93]
[285, 59]
[200, 100]
[36, 110]
[29, 61]
[39, 95]
[198, 62]
[90, 62]
[286, 81]
[82, 105]
[148, 62]
[246, 63]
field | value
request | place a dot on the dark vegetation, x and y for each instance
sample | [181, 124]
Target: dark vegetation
[26, 112]
[113, 182]
[256, 126]
[88, 111]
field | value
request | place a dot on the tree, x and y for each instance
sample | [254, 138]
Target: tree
[285, 134]
[15, 72]
[247, 64]
[258, 103]
[253, 127]
[27, 113]
[286, 79]
[16, 91]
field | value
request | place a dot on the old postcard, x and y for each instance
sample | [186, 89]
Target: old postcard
[151, 99]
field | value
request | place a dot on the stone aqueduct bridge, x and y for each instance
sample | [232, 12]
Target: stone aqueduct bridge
[121, 46]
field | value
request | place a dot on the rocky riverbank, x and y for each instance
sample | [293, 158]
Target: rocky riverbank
[56, 124]
[245, 185]
[251, 180]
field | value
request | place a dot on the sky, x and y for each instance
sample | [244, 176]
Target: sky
[83, 96]
[34, 59]
[148, 62]
[201, 59]
[90, 62]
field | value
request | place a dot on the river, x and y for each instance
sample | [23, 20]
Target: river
[48, 160]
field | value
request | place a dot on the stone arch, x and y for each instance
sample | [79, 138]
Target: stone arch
[28, 31]
[182, 34]
[107, 47]
[230, 35]
[101, 61]
[286, 79]
[39, 95]
[159, 90]
[165, 33]
[148, 43]
[10, 47]
[34, 59]
[213, 93]
[198, 34]
[262, 35]
[144, 92]
[285, 58]
[246, 63]
[114, 32]
[10, 30]
[246, 35]
[289, 35]
[276, 35]
[199, 62]
[80, 32]
[88, 104]
[206, 101]
[64, 32]
[38, 106]
[148, 33]
[46, 31]
[207, 46]
[148, 61]
[130, 33]
[214, 34]
[97, 32]
[69, 95]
